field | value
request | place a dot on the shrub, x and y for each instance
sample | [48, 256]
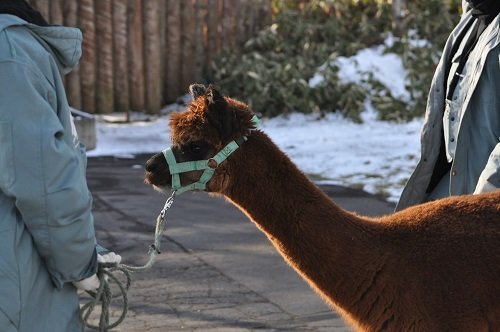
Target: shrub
[273, 69]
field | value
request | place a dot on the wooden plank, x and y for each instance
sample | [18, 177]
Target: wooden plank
[104, 29]
[73, 87]
[228, 11]
[173, 85]
[88, 61]
[43, 6]
[136, 59]
[152, 54]
[199, 40]
[56, 14]
[120, 58]
[187, 44]
[213, 30]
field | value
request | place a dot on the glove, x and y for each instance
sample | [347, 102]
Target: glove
[92, 283]
[109, 257]
[88, 284]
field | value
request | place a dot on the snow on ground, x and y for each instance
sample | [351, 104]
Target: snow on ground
[375, 156]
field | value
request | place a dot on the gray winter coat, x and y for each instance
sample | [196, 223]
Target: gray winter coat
[476, 164]
[47, 236]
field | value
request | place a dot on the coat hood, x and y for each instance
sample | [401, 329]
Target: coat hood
[63, 42]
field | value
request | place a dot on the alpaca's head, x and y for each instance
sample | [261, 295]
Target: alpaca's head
[210, 122]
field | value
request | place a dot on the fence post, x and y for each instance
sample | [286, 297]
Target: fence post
[213, 30]
[43, 6]
[187, 44]
[173, 51]
[104, 28]
[73, 92]
[200, 40]
[152, 54]
[136, 60]
[121, 88]
[56, 16]
[228, 10]
[88, 62]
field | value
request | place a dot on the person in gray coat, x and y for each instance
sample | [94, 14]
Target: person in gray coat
[460, 142]
[47, 240]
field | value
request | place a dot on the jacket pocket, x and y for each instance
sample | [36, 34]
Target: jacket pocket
[7, 170]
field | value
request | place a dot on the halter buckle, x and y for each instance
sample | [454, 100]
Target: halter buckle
[212, 163]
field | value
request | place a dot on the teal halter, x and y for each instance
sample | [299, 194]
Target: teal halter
[207, 166]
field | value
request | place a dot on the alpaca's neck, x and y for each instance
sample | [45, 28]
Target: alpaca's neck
[329, 247]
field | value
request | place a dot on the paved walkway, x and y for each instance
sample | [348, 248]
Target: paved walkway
[217, 271]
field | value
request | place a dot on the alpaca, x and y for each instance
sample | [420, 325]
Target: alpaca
[432, 267]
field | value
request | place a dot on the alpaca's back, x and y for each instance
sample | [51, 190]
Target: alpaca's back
[449, 261]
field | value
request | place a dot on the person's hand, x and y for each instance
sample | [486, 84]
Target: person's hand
[109, 257]
[88, 284]
[92, 283]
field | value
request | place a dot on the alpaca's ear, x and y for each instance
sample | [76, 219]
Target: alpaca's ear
[213, 96]
[217, 112]
[196, 90]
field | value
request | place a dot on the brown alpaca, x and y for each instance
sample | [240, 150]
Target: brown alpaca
[432, 267]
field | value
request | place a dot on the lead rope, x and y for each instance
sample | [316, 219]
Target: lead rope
[106, 274]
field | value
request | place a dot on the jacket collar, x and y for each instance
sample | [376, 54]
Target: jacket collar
[63, 42]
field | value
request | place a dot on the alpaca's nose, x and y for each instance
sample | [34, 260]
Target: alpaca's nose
[157, 172]
[152, 164]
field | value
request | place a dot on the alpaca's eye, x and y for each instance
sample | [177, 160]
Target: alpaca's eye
[195, 148]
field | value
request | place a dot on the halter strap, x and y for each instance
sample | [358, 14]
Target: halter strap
[207, 166]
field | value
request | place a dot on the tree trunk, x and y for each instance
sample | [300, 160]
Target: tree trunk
[104, 28]
[88, 62]
[73, 93]
[152, 55]
[120, 55]
[173, 83]
[136, 60]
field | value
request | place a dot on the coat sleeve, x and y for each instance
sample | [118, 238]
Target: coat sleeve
[489, 180]
[46, 174]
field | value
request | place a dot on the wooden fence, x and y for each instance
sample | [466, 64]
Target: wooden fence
[142, 54]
